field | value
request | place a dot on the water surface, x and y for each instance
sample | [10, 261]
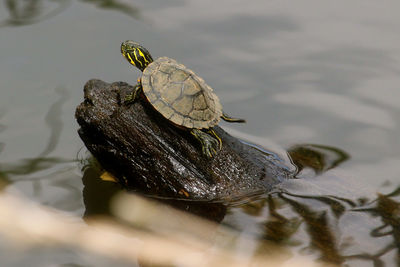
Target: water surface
[300, 73]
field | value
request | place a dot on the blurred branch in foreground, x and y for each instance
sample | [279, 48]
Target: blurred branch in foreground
[149, 241]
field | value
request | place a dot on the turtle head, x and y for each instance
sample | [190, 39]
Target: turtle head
[136, 54]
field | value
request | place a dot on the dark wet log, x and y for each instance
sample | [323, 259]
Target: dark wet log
[147, 153]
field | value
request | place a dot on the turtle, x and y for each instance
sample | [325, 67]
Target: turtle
[178, 94]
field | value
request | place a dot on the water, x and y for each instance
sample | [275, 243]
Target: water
[299, 72]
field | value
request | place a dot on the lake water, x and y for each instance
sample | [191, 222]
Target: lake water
[308, 72]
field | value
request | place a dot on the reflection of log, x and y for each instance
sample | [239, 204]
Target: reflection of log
[146, 152]
[98, 197]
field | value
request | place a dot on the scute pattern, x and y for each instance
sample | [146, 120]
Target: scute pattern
[180, 95]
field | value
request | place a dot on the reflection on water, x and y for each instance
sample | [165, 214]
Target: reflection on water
[42, 162]
[120, 6]
[317, 225]
[54, 122]
[33, 11]
[320, 158]
[321, 218]
[387, 209]
[49, 179]
[3, 176]
[2, 128]
[22, 12]
[43, 169]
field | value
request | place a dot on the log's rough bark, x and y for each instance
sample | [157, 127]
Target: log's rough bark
[147, 153]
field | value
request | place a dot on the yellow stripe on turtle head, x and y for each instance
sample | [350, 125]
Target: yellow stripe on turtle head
[130, 59]
[137, 57]
[144, 57]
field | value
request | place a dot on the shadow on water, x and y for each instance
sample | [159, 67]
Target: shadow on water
[41, 161]
[23, 12]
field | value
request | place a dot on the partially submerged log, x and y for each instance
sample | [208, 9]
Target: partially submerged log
[148, 153]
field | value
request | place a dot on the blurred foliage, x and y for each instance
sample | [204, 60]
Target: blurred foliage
[127, 9]
[27, 12]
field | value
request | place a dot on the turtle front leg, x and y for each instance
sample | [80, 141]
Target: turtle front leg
[130, 98]
[209, 144]
[230, 119]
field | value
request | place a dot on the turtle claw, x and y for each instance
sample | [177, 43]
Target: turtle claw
[209, 150]
[213, 152]
[209, 145]
[217, 138]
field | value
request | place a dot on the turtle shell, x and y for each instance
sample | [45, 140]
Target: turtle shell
[180, 95]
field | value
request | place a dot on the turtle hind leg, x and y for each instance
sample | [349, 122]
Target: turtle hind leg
[209, 144]
[213, 133]
[227, 118]
[130, 98]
